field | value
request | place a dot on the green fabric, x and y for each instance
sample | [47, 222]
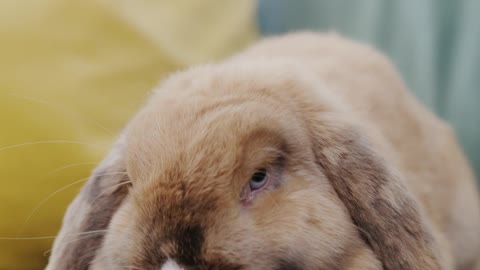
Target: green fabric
[434, 43]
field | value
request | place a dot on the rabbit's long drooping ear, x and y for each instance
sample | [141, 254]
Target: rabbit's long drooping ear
[385, 212]
[89, 214]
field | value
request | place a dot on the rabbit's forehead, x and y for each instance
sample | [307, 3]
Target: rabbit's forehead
[211, 134]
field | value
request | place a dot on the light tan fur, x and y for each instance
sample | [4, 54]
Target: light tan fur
[369, 178]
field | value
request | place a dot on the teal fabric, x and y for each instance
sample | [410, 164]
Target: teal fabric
[434, 43]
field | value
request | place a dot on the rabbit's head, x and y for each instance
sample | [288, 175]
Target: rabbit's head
[244, 166]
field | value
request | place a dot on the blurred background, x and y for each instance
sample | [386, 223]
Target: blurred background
[73, 72]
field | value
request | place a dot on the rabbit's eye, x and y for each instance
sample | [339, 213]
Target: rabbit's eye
[258, 180]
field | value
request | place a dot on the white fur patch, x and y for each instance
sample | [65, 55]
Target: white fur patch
[171, 265]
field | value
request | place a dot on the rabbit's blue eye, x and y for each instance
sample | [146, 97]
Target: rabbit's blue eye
[258, 179]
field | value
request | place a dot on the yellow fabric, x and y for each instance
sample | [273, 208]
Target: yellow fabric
[71, 74]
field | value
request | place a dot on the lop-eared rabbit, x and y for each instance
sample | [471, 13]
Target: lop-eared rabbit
[305, 151]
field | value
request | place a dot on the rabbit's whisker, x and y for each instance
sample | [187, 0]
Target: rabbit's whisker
[83, 235]
[47, 237]
[110, 188]
[28, 238]
[55, 193]
[8, 147]
[70, 166]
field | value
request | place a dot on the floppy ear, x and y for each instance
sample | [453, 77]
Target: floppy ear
[386, 214]
[89, 214]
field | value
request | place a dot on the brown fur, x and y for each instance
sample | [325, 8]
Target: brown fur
[367, 178]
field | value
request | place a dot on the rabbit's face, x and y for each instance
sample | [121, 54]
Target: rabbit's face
[226, 182]
[247, 164]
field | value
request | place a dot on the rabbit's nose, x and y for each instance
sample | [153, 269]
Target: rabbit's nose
[171, 265]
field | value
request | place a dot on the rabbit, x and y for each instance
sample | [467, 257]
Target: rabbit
[305, 151]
